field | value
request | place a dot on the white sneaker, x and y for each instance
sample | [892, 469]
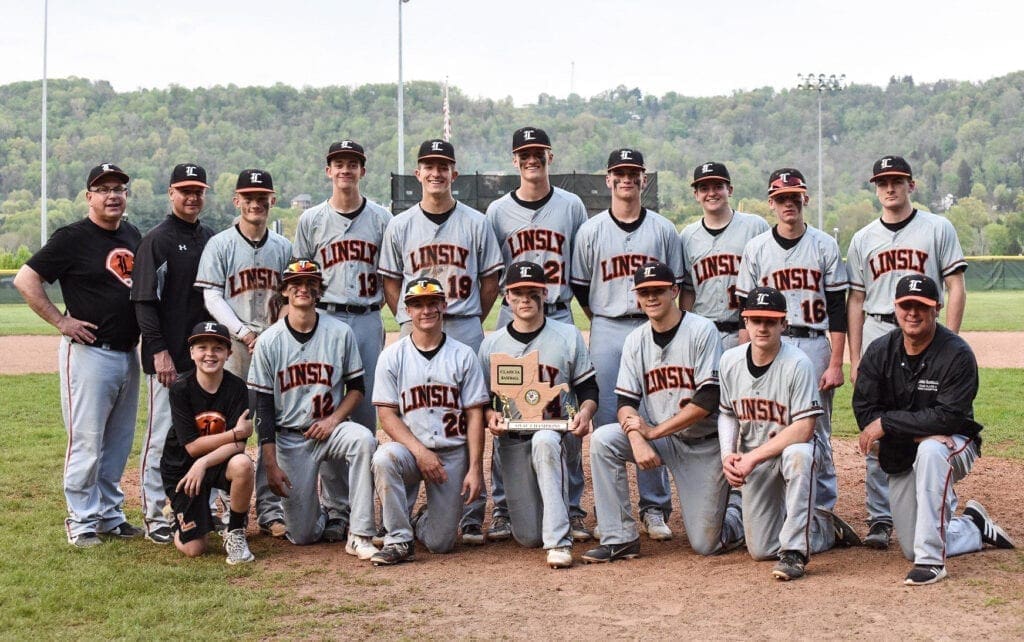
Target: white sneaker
[560, 557]
[654, 525]
[360, 546]
[237, 547]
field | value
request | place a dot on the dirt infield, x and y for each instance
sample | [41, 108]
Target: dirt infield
[25, 354]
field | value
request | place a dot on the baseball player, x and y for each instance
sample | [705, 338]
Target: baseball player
[99, 371]
[430, 394]
[167, 307]
[202, 453]
[307, 377]
[902, 241]
[533, 463]
[344, 234]
[766, 428]
[712, 250]
[239, 271]
[537, 222]
[804, 264]
[608, 249]
[670, 364]
[914, 397]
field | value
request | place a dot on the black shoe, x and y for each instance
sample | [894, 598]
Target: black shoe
[611, 552]
[274, 528]
[845, 535]
[85, 540]
[378, 539]
[991, 533]
[124, 530]
[160, 535]
[334, 531]
[923, 574]
[790, 566]
[878, 536]
[473, 535]
[394, 554]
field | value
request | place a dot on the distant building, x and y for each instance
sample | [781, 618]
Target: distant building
[302, 202]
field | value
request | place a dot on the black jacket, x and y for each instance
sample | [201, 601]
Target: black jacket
[934, 398]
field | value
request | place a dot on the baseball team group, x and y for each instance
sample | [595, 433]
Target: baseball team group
[712, 360]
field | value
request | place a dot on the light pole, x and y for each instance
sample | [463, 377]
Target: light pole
[401, 98]
[821, 83]
[42, 153]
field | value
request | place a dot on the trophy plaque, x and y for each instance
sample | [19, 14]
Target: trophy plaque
[516, 380]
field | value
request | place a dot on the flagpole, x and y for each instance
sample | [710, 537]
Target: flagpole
[42, 153]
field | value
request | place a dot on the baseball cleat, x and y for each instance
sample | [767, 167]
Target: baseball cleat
[878, 536]
[578, 530]
[991, 533]
[560, 557]
[473, 535]
[160, 535]
[653, 524]
[845, 535]
[334, 531]
[274, 528]
[360, 546]
[124, 530]
[790, 566]
[394, 554]
[612, 552]
[237, 547]
[85, 540]
[500, 530]
[923, 574]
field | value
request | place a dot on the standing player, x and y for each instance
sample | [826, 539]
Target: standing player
[430, 394]
[915, 398]
[167, 307]
[537, 222]
[804, 264]
[99, 372]
[202, 453]
[344, 234]
[308, 378]
[670, 364]
[607, 251]
[240, 270]
[902, 241]
[769, 400]
[712, 250]
[533, 463]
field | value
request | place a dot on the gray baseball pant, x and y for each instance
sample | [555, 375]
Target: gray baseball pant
[536, 491]
[876, 481]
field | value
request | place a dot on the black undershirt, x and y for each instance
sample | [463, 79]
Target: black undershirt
[896, 227]
[755, 370]
[430, 354]
[718, 231]
[255, 244]
[351, 215]
[629, 227]
[662, 339]
[787, 244]
[533, 205]
[439, 219]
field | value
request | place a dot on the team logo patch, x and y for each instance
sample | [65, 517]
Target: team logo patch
[119, 263]
[211, 422]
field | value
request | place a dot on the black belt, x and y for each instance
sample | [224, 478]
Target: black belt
[548, 307]
[351, 309]
[639, 315]
[713, 435]
[109, 347]
[727, 326]
[286, 429]
[802, 332]
[884, 318]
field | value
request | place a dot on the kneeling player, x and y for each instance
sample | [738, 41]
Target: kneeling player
[202, 453]
[769, 404]
[669, 364]
[429, 391]
[535, 463]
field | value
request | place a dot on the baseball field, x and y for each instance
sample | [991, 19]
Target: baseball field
[136, 589]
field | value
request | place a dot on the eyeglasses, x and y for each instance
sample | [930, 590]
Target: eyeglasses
[103, 191]
[302, 266]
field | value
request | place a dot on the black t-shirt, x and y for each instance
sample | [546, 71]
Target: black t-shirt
[165, 269]
[95, 269]
[196, 413]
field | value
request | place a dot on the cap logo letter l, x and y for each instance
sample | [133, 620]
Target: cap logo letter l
[886, 163]
[626, 155]
[436, 146]
[528, 134]
[106, 167]
[254, 178]
[346, 144]
[762, 298]
[705, 168]
[524, 272]
[208, 327]
[915, 285]
[190, 170]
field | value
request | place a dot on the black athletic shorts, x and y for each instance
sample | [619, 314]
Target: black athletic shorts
[192, 518]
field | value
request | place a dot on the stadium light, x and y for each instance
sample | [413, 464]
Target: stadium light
[401, 97]
[821, 84]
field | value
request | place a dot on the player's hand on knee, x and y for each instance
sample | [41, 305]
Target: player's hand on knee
[869, 435]
[646, 456]
[191, 483]
[580, 425]
[277, 480]
[730, 469]
[946, 440]
[321, 429]
[431, 467]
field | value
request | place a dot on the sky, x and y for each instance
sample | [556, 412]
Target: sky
[494, 49]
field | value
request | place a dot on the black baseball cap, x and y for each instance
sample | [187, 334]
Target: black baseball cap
[765, 302]
[786, 181]
[890, 166]
[710, 170]
[527, 137]
[422, 287]
[349, 147]
[625, 157]
[653, 274]
[103, 170]
[188, 175]
[254, 180]
[524, 274]
[917, 287]
[209, 330]
[436, 148]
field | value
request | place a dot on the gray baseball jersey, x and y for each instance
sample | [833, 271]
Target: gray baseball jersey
[765, 405]
[544, 236]
[457, 253]
[348, 251]
[306, 379]
[666, 379]
[879, 257]
[713, 263]
[802, 273]
[605, 257]
[248, 274]
[431, 394]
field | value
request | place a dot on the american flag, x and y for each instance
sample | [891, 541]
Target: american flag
[447, 115]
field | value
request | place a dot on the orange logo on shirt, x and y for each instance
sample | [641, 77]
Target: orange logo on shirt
[211, 423]
[120, 262]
